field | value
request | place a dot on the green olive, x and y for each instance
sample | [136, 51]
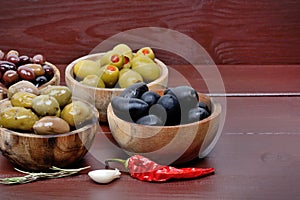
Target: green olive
[22, 99]
[146, 67]
[86, 67]
[117, 60]
[77, 113]
[105, 59]
[94, 81]
[61, 93]
[18, 118]
[46, 105]
[5, 104]
[25, 86]
[129, 77]
[124, 50]
[147, 51]
[110, 75]
[50, 125]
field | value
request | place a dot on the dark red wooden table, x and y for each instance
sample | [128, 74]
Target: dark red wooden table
[255, 45]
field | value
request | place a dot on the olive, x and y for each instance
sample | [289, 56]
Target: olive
[49, 71]
[2, 54]
[40, 80]
[61, 93]
[5, 65]
[159, 111]
[94, 81]
[110, 75]
[129, 77]
[77, 114]
[187, 97]
[0, 74]
[150, 97]
[124, 50]
[196, 114]
[24, 60]
[5, 104]
[39, 59]
[86, 67]
[37, 69]
[150, 120]
[12, 52]
[22, 99]
[26, 73]
[172, 108]
[18, 118]
[50, 125]
[13, 59]
[24, 86]
[117, 60]
[45, 105]
[145, 67]
[147, 51]
[10, 77]
[135, 91]
[105, 59]
[203, 105]
[129, 109]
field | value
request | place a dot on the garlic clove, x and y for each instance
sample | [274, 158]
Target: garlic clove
[104, 175]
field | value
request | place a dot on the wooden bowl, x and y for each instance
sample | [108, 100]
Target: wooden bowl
[101, 97]
[39, 152]
[54, 81]
[167, 144]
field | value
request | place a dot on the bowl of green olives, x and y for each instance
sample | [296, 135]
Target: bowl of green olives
[175, 125]
[47, 129]
[98, 77]
[15, 67]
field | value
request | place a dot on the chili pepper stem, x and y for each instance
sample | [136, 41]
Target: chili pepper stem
[122, 161]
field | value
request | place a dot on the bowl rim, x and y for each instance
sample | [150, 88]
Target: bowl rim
[55, 78]
[216, 111]
[70, 66]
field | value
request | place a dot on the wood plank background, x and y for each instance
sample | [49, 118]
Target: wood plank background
[232, 31]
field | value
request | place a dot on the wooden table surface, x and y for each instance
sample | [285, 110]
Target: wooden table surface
[255, 45]
[256, 157]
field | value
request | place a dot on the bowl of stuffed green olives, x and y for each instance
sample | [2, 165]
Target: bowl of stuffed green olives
[15, 67]
[175, 125]
[44, 129]
[98, 77]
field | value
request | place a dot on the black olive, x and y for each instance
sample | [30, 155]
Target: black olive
[204, 105]
[135, 91]
[197, 114]
[129, 109]
[150, 120]
[187, 97]
[172, 108]
[40, 80]
[150, 97]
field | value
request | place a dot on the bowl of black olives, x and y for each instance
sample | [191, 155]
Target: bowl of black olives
[99, 77]
[15, 67]
[175, 125]
[44, 129]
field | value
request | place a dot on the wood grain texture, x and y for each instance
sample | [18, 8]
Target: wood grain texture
[232, 31]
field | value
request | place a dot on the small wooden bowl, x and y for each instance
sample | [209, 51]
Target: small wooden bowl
[39, 152]
[167, 144]
[101, 97]
[54, 81]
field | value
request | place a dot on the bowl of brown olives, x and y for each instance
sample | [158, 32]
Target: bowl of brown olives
[15, 67]
[175, 125]
[47, 129]
[98, 77]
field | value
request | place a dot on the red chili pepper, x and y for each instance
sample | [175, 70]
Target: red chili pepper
[145, 169]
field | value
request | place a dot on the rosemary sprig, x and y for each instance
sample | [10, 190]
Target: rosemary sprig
[30, 177]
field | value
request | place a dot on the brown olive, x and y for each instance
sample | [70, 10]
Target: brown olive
[39, 59]
[24, 59]
[51, 125]
[10, 77]
[2, 54]
[5, 65]
[26, 73]
[37, 69]
[13, 58]
[49, 72]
